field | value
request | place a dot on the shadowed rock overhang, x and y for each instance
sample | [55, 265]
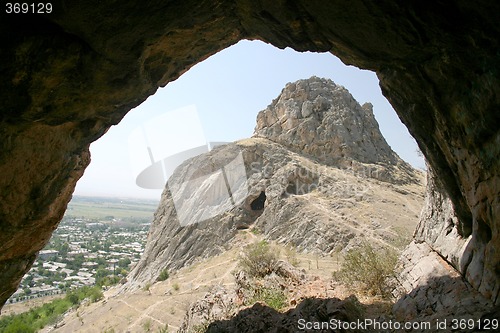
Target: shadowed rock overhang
[69, 75]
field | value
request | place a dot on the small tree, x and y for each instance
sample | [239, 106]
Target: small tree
[163, 275]
[124, 262]
[72, 298]
[95, 294]
[370, 268]
[258, 259]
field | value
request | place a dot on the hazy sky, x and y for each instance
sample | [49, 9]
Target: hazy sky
[225, 93]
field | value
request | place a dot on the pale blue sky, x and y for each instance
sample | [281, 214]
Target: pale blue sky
[228, 90]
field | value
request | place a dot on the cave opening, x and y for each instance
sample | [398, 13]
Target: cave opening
[258, 203]
[246, 76]
[291, 189]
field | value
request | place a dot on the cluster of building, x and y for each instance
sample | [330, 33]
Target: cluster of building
[80, 252]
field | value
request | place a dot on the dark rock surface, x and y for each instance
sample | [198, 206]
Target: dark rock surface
[70, 75]
[261, 318]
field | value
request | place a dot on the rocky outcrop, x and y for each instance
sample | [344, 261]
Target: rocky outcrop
[261, 318]
[235, 309]
[432, 290]
[218, 303]
[439, 226]
[432, 268]
[69, 75]
[320, 119]
[290, 197]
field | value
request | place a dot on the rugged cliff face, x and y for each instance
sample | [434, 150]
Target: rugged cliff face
[432, 266]
[69, 75]
[314, 201]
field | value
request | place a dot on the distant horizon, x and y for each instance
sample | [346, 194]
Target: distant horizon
[111, 196]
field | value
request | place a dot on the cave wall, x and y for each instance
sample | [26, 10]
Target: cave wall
[70, 75]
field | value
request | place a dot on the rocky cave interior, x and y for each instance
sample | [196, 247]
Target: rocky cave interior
[70, 75]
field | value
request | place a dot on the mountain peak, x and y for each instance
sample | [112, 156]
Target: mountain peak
[321, 119]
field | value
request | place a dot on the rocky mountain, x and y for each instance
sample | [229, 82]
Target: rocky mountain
[317, 174]
[312, 299]
[321, 120]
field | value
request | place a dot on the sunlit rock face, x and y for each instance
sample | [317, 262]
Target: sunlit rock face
[318, 118]
[68, 76]
[439, 225]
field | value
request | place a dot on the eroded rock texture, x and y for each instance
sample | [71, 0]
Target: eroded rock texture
[319, 119]
[224, 309]
[439, 225]
[432, 289]
[68, 76]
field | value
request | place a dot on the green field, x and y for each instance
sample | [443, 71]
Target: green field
[106, 208]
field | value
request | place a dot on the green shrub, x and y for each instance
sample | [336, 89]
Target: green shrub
[49, 313]
[256, 231]
[147, 325]
[368, 268]
[107, 281]
[163, 275]
[402, 238]
[258, 259]
[95, 294]
[18, 326]
[200, 328]
[273, 297]
[72, 297]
